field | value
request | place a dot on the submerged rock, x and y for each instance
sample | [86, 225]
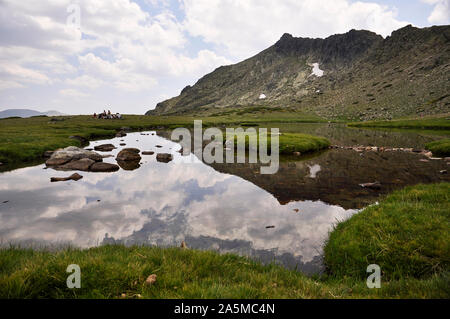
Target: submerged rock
[164, 157]
[104, 147]
[104, 167]
[73, 177]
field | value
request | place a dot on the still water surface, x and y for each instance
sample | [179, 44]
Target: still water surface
[219, 207]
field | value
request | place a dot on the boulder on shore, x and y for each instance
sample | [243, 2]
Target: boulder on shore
[73, 177]
[104, 147]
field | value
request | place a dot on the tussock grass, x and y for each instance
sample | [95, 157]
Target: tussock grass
[439, 148]
[290, 142]
[407, 235]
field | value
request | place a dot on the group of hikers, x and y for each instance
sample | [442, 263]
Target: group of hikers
[107, 115]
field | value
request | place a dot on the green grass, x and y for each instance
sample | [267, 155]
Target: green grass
[25, 140]
[407, 235]
[110, 271]
[439, 148]
[292, 142]
[429, 123]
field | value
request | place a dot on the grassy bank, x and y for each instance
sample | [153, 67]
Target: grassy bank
[110, 271]
[439, 148]
[407, 234]
[430, 123]
[25, 140]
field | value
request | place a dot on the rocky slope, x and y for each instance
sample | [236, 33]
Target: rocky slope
[364, 77]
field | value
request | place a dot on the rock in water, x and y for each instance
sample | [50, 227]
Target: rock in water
[164, 157]
[73, 177]
[104, 167]
[129, 155]
[104, 147]
[79, 165]
[71, 153]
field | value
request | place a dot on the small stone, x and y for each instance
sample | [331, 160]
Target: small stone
[374, 185]
[158, 146]
[296, 210]
[148, 153]
[104, 147]
[270, 226]
[150, 280]
[122, 144]
[164, 157]
[5, 201]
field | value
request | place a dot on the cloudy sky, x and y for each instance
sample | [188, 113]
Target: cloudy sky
[82, 56]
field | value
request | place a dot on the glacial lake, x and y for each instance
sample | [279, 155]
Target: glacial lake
[284, 217]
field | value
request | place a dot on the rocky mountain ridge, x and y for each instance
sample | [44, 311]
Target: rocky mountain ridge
[364, 77]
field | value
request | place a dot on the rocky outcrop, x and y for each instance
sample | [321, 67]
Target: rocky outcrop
[365, 77]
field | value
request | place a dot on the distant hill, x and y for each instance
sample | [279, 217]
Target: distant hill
[26, 113]
[357, 76]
